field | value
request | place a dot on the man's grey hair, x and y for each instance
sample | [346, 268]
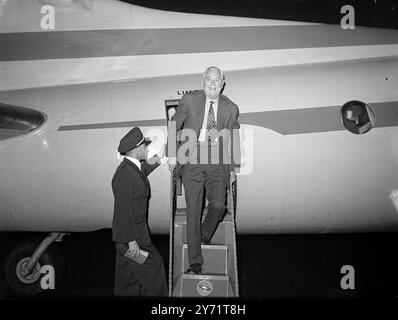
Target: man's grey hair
[213, 67]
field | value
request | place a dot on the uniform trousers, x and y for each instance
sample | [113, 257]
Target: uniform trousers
[133, 279]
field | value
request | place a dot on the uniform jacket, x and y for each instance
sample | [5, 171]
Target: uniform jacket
[131, 190]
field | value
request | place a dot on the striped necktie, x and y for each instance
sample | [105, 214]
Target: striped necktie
[211, 128]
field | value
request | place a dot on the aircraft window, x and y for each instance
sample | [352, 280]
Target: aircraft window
[357, 117]
[15, 120]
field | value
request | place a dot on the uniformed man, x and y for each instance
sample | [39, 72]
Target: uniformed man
[130, 232]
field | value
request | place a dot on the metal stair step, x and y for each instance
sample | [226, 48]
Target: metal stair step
[205, 285]
[215, 259]
[222, 235]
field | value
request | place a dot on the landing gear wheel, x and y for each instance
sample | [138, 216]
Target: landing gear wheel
[19, 257]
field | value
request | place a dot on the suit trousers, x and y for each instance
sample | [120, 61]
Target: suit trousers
[196, 179]
[133, 279]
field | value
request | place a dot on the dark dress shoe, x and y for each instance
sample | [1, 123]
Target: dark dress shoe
[195, 268]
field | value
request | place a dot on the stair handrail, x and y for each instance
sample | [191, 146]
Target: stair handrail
[173, 207]
[233, 196]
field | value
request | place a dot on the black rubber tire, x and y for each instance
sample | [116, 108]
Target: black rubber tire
[24, 249]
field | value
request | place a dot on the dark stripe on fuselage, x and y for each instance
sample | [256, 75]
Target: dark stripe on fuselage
[110, 125]
[107, 43]
[286, 122]
[312, 120]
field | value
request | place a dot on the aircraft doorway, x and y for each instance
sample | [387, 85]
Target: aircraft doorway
[171, 108]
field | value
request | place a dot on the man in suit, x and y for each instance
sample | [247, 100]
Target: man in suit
[210, 121]
[130, 232]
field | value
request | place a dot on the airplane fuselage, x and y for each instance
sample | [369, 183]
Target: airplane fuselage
[303, 172]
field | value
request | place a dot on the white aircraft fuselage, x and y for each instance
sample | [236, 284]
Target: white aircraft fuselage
[116, 65]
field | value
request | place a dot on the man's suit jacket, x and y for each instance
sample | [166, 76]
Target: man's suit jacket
[190, 115]
[131, 190]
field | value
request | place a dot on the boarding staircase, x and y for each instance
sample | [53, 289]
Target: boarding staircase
[219, 277]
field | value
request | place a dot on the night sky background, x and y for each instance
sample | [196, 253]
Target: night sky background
[371, 13]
